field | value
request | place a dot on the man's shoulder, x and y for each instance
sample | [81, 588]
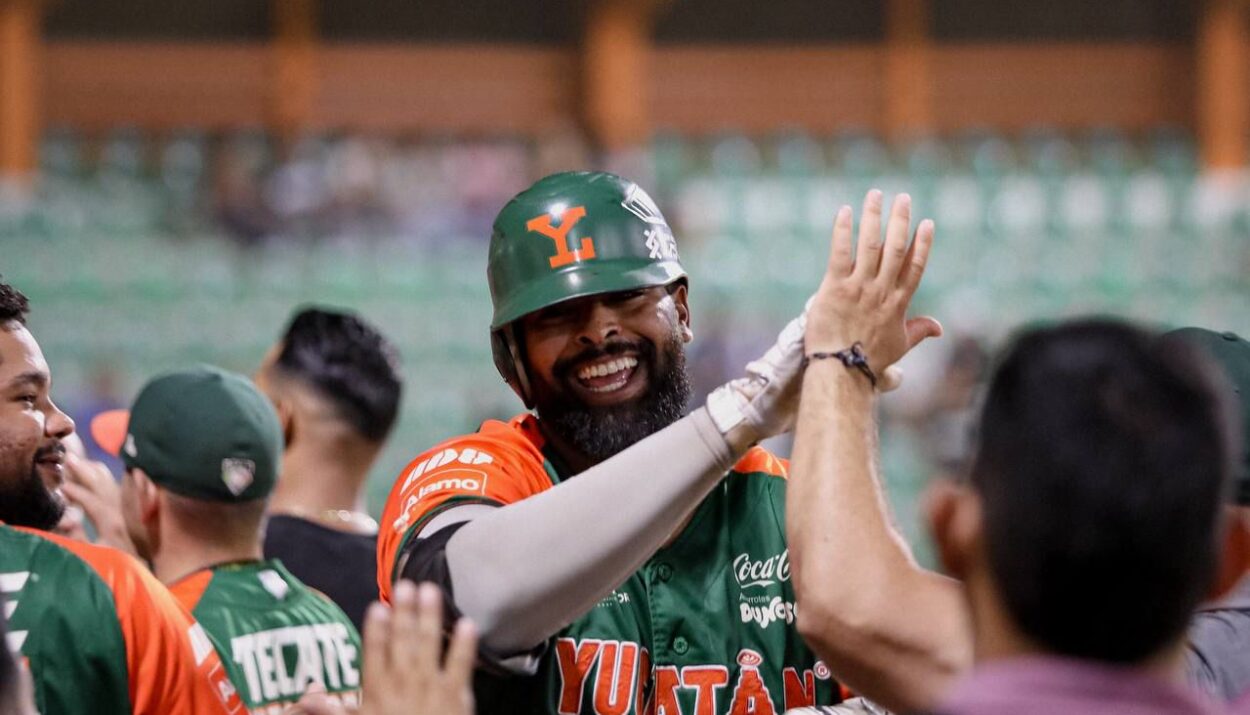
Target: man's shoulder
[497, 460]
[269, 589]
[108, 564]
[516, 443]
[68, 577]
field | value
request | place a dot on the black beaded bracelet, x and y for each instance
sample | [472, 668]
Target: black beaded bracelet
[851, 357]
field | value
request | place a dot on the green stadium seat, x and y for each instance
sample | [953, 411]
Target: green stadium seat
[122, 156]
[798, 155]
[60, 155]
[859, 156]
[735, 156]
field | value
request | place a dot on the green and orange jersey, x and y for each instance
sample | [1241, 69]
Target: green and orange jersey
[705, 627]
[275, 635]
[101, 635]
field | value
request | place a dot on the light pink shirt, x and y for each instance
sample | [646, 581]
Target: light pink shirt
[1059, 686]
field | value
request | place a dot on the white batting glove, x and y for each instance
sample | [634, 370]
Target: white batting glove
[766, 399]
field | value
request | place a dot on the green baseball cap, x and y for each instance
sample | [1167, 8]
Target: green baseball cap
[1232, 353]
[204, 433]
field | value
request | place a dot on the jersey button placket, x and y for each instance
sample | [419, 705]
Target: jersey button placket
[664, 572]
[680, 645]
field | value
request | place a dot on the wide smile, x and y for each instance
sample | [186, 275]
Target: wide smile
[52, 469]
[610, 380]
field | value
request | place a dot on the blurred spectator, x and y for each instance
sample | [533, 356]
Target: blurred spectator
[944, 420]
[1218, 659]
[239, 204]
[335, 382]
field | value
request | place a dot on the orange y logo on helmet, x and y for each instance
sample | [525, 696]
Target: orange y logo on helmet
[568, 219]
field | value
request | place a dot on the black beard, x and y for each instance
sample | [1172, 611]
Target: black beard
[600, 432]
[29, 503]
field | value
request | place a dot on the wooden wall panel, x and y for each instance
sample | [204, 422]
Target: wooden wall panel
[452, 88]
[98, 85]
[523, 89]
[762, 89]
[1012, 87]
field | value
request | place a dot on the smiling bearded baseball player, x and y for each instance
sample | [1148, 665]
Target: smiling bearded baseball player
[617, 556]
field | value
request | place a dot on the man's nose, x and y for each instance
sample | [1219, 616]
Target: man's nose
[600, 325]
[59, 424]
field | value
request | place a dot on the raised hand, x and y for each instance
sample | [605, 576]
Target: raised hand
[90, 486]
[869, 284]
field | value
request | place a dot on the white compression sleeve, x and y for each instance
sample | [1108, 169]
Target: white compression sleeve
[524, 571]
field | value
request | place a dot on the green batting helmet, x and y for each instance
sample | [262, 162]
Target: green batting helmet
[572, 235]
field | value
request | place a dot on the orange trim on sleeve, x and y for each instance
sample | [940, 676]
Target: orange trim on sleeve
[758, 459]
[171, 663]
[501, 463]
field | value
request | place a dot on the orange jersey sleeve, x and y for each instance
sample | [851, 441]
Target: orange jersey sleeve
[500, 464]
[172, 665]
[758, 459]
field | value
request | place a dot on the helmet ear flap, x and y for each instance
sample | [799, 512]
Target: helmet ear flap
[507, 355]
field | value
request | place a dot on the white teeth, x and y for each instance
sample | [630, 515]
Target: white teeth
[604, 369]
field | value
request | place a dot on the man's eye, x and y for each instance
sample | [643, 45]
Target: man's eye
[631, 295]
[553, 317]
[28, 399]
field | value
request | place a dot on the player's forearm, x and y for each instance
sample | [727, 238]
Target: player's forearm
[524, 571]
[835, 517]
[889, 629]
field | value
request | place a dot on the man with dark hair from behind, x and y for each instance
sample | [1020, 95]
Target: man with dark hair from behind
[335, 382]
[1091, 527]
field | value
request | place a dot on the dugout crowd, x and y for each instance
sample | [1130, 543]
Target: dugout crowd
[615, 549]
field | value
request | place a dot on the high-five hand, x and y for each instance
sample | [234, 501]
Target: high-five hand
[868, 287]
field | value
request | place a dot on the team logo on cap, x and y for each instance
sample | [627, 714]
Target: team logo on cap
[560, 235]
[238, 474]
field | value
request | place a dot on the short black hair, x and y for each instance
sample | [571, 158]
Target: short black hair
[13, 305]
[1104, 457]
[349, 362]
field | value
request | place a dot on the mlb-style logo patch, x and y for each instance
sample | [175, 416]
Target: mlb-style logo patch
[238, 474]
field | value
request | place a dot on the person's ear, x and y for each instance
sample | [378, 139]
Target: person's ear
[1235, 556]
[147, 496]
[286, 418]
[953, 511]
[271, 386]
[680, 300]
